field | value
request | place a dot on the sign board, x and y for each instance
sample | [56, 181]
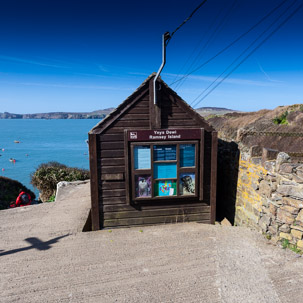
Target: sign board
[164, 134]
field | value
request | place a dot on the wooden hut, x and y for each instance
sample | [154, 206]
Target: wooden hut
[152, 163]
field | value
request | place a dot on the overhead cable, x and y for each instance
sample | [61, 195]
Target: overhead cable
[255, 49]
[189, 17]
[217, 30]
[231, 44]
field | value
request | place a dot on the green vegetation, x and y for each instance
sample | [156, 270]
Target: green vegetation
[51, 198]
[47, 175]
[285, 244]
[282, 119]
[9, 191]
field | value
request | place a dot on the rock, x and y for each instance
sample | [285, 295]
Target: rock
[284, 216]
[293, 202]
[245, 179]
[273, 229]
[300, 244]
[285, 228]
[265, 189]
[297, 234]
[256, 151]
[282, 158]
[270, 165]
[298, 179]
[285, 236]
[255, 185]
[291, 190]
[269, 154]
[264, 222]
[256, 161]
[287, 168]
[272, 209]
[292, 210]
[300, 216]
[225, 222]
[297, 227]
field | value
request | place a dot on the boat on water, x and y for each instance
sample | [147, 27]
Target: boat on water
[12, 160]
[16, 141]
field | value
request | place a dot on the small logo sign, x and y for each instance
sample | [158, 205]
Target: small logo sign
[133, 135]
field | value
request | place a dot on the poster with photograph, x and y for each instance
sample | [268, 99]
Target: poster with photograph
[187, 184]
[142, 157]
[166, 188]
[143, 186]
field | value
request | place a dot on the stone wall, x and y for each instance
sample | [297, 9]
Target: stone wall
[270, 195]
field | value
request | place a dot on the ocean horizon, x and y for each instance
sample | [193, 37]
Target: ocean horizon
[42, 141]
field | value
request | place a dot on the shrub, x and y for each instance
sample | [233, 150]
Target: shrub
[48, 175]
[282, 119]
[9, 191]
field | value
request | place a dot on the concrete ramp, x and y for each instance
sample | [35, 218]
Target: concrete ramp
[45, 258]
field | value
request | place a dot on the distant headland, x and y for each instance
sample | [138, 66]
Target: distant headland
[98, 114]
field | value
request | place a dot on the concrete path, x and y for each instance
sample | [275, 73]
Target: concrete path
[44, 257]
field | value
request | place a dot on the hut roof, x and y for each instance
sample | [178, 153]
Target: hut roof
[133, 98]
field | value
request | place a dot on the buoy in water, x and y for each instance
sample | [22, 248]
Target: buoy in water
[3, 169]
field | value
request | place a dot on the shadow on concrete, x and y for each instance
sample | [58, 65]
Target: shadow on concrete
[228, 170]
[36, 243]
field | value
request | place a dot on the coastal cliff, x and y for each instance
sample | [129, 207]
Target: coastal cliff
[98, 114]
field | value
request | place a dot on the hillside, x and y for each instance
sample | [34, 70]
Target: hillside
[288, 119]
[97, 114]
[214, 111]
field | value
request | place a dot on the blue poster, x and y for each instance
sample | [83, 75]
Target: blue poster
[187, 155]
[165, 152]
[165, 170]
[142, 157]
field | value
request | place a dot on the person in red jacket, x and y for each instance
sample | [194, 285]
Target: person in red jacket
[23, 199]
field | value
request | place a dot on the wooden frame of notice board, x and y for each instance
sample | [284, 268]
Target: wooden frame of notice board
[164, 164]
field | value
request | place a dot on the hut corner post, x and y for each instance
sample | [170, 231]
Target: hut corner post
[213, 181]
[94, 180]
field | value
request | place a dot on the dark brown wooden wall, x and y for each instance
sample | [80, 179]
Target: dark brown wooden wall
[113, 208]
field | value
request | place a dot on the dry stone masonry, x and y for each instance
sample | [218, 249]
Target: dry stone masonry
[270, 195]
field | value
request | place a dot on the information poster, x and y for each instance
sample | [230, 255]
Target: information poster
[142, 157]
[165, 170]
[187, 155]
[166, 188]
[187, 183]
[165, 152]
[143, 186]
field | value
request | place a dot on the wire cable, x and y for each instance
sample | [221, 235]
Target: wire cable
[217, 30]
[255, 49]
[245, 50]
[189, 17]
[231, 44]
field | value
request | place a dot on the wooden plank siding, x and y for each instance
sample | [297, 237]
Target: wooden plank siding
[115, 208]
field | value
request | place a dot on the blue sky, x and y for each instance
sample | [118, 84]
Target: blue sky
[87, 55]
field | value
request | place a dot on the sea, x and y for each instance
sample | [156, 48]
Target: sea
[32, 142]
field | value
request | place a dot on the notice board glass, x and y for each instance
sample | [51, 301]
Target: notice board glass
[187, 155]
[142, 157]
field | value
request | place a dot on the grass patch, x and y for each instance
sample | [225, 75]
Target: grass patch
[285, 244]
